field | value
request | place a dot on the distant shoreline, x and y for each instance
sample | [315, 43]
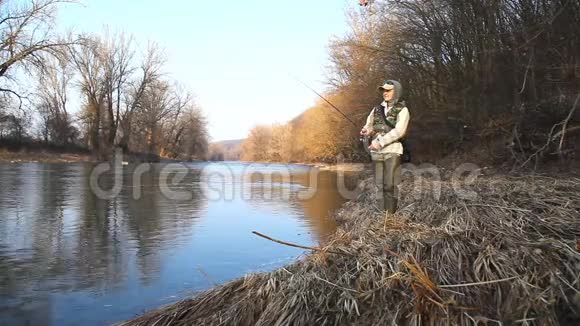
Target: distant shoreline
[34, 155]
[42, 156]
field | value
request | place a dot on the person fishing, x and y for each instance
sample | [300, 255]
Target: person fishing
[386, 125]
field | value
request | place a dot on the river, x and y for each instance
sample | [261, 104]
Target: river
[81, 244]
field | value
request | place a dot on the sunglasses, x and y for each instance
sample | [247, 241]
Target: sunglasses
[388, 82]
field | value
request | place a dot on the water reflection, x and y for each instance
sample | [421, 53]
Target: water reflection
[70, 257]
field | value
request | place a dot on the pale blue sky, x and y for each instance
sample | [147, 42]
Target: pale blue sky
[236, 56]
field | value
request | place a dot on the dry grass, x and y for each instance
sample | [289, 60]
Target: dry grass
[508, 257]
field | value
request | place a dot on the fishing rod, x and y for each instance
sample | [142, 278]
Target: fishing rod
[327, 101]
[364, 139]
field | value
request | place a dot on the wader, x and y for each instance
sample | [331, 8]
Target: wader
[387, 179]
[388, 165]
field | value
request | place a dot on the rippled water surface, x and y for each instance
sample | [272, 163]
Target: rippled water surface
[70, 256]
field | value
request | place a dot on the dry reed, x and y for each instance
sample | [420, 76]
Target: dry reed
[509, 256]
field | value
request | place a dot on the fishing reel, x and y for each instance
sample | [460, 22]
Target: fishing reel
[366, 142]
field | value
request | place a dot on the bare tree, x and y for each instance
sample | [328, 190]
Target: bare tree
[157, 104]
[150, 71]
[26, 37]
[55, 81]
[123, 100]
[187, 137]
[175, 125]
[88, 61]
[117, 56]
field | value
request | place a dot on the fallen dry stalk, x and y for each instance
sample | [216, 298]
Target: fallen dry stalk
[477, 283]
[296, 245]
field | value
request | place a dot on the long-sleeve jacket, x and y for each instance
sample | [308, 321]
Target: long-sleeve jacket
[389, 142]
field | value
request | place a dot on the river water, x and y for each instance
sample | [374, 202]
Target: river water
[82, 245]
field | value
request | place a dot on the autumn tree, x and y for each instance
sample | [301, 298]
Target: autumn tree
[280, 146]
[256, 147]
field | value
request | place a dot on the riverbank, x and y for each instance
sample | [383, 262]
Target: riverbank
[504, 248]
[342, 167]
[25, 156]
[57, 156]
